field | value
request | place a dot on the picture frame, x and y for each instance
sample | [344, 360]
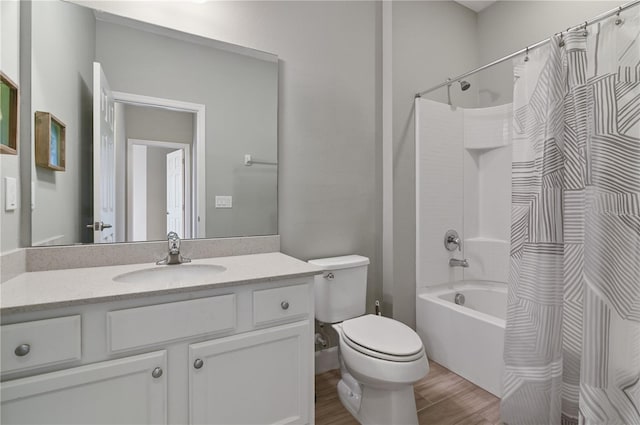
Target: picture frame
[9, 115]
[50, 135]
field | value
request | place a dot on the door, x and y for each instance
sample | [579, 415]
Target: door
[104, 159]
[260, 377]
[175, 192]
[125, 391]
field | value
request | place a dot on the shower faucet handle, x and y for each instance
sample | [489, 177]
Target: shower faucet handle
[452, 241]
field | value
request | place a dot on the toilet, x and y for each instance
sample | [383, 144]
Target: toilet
[380, 358]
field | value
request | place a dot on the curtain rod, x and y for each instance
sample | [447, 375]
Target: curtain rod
[598, 18]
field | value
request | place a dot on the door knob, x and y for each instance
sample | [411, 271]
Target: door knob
[198, 363]
[99, 226]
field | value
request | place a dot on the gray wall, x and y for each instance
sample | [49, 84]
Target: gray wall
[329, 97]
[9, 164]
[240, 96]
[431, 41]
[508, 26]
[63, 52]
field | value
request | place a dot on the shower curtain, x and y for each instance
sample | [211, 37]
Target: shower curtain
[572, 340]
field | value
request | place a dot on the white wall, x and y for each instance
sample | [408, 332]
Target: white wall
[9, 164]
[64, 34]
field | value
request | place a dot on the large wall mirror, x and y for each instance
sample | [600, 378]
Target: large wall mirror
[163, 131]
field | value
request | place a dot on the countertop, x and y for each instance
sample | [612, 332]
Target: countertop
[41, 290]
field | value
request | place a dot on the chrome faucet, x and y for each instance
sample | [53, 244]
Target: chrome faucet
[454, 262]
[174, 256]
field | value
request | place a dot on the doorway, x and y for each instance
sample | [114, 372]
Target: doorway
[158, 189]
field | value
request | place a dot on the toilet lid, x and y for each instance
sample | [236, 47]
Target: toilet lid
[383, 335]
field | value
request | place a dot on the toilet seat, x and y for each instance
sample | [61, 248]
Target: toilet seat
[382, 338]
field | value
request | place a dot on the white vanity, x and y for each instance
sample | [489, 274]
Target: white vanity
[235, 347]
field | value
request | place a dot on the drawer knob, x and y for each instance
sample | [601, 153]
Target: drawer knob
[22, 350]
[198, 363]
[284, 305]
[157, 372]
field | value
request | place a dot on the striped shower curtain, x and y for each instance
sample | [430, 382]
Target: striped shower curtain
[572, 342]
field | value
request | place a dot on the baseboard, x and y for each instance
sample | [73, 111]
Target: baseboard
[327, 360]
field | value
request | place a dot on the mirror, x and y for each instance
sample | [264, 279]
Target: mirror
[164, 131]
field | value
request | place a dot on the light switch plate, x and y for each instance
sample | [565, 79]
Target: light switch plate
[224, 201]
[10, 194]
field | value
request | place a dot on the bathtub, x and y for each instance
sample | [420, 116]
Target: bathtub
[469, 339]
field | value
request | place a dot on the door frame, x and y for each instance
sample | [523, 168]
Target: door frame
[188, 215]
[197, 203]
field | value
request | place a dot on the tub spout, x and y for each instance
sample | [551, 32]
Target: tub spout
[454, 262]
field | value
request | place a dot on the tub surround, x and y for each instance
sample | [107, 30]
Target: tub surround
[39, 290]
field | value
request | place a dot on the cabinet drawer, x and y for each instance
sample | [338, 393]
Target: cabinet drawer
[138, 327]
[40, 343]
[281, 304]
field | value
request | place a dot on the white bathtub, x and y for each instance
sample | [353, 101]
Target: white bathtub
[469, 339]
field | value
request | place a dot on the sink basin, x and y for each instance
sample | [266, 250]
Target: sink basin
[187, 274]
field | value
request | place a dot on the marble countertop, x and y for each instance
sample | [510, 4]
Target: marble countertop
[59, 288]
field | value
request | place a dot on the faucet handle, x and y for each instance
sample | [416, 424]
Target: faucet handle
[452, 241]
[174, 243]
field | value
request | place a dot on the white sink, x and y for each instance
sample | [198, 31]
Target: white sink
[188, 274]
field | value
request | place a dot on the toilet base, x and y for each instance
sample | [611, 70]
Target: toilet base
[380, 406]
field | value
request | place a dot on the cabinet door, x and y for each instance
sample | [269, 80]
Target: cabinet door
[260, 377]
[122, 391]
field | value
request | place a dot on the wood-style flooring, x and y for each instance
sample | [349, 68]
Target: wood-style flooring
[442, 398]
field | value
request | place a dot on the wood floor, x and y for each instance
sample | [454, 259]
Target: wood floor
[442, 398]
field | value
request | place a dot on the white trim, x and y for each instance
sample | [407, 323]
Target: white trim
[198, 202]
[183, 36]
[416, 113]
[387, 156]
[134, 180]
[188, 217]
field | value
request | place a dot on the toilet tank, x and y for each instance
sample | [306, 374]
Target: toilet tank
[341, 290]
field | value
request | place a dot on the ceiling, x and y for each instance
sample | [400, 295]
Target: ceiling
[476, 5]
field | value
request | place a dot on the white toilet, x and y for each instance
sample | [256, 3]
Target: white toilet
[380, 358]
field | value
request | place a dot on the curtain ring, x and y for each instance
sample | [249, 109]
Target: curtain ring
[561, 43]
[619, 20]
[526, 55]
[584, 30]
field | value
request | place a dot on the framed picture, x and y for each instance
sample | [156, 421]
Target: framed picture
[50, 141]
[8, 115]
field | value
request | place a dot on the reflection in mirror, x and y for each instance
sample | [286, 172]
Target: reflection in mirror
[158, 125]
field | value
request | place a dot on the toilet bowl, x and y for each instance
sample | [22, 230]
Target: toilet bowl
[380, 358]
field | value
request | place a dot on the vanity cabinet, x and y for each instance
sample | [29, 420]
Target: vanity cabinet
[124, 391]
[240, 354]
[260, 377]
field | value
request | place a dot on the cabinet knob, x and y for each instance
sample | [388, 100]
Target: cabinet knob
[198, 363]
[157, 372]
[284, 305]
[22, 350]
